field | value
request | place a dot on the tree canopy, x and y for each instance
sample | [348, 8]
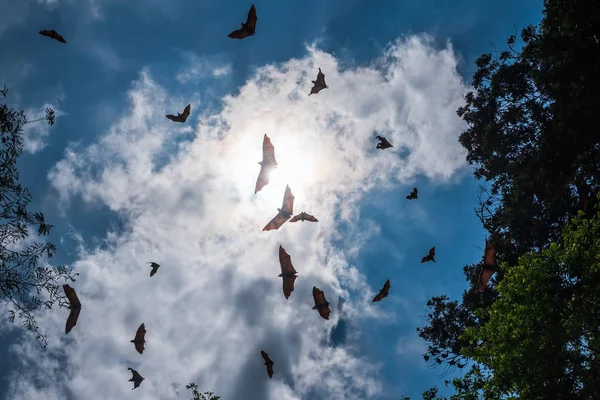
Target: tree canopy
[24, 274]
[201, 396]
[532, 133]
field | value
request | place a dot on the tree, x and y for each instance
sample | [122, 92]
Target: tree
[532, 123]
[201, 396]
[22, 278]
[542, 336]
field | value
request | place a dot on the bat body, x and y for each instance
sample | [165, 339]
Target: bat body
[319, 84]
[139, 339]
[136, 378]
[413, 195]
[248, 28]
[288, 273]
[74, 306]
[430, 256]
[383, 292]
[154, 267]
[489, 266]
[304, 217]
[266, 165]
[53, 35]
[321, 303]
[268, 362]
[383, 143]
[285, 212]
[181, 117]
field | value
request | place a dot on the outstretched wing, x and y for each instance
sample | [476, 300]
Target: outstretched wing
[489, 266]
[72, 319]
[288, 201]
[288, 285]
[71, 296]
[155, 267]
[186, 112]
[489, 254]
[318, 84]
[321, 79]
[276, 222]
[51, 33]
[174, 118]
[285, 262]
[252, 18]
[304, 217]
[383, 292]
[268, 162]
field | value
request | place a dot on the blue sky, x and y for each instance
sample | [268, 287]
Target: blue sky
[123, 185]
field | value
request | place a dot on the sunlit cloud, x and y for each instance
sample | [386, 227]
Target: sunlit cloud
[217, 301]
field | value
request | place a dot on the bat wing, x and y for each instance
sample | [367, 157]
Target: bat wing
[263, 178]
[288, 285]
[252, 18]
[288, 201]
[268, 152]
[413, 195]
[276, 222]
[72, 296]
[154, 269]
[53, 35]
[72, 319]
[321, 303]
[431, 254]
[239, 34]
[286, 262]
[173, 118]
[321, 79]
[140, 338]
[325, 311]
[425, 259]
[58, 37]
[489, 254]
[486, 273]
[268, 362]
[186, 112]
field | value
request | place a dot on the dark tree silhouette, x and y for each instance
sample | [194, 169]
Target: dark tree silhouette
[26, 283]
[201, 396]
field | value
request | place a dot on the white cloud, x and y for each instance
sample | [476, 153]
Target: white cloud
[199, 68]
[217, 301]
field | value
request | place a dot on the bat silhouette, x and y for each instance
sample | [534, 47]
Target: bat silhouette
[383, 292]
[181, 117]
[413, 195]
[268, 362]
[319, 84]
[285, 212]
[248, 28]
[53, 35]
[489, 266]
[136, 378]
[266, 165]
[139, 339]
[74, 306]
[383, 143]
[304, 217]
[430, 256]
[154, 267]
[288, 273]
[321, 303]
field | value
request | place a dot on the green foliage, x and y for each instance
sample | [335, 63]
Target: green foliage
[201, 396]
[542, 338]
[22, 278]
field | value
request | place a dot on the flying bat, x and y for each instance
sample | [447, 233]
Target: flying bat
[285, 212]
[430, 256]
[319, 84]
[74, 306]
[266, 165]
[139, 339]
[288, 273]
[154, 267]
[413, 195]
[321, 304]
[304, 217]
[53, 35]
[383, 143]
[136, 378]
[383, 292]
[181, 117]
[489, 266]
[248, 28]
[268, 362]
